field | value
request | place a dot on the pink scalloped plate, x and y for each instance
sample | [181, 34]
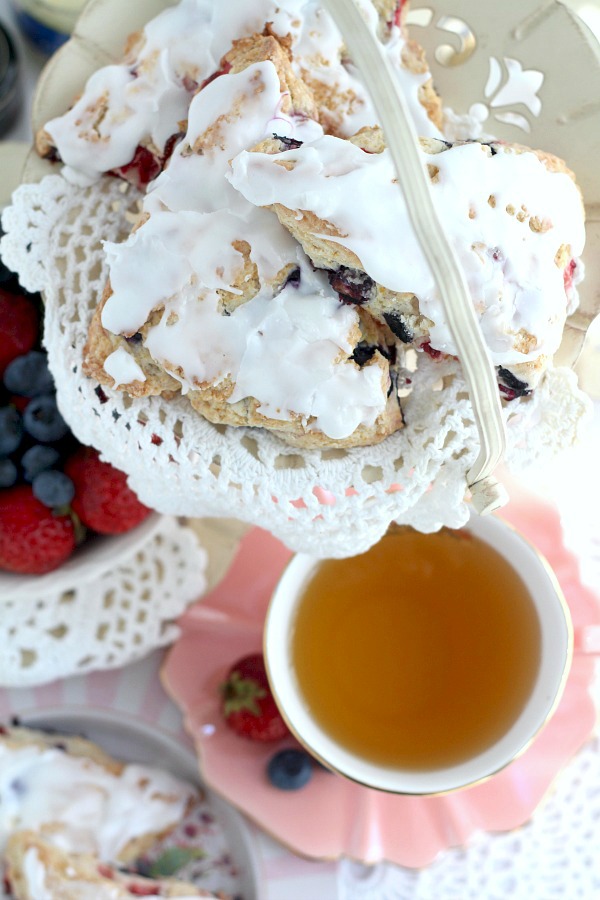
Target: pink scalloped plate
[331, 816]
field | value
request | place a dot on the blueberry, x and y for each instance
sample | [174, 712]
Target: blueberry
[11, 429]
[53, 489]
[363, 352]
[28, 375]
[43, 421]
[397, 325]
[37, 459]
[5, 273]
[8, 473]
[352, 285]
[518, 388]
[287, 143]
[293, 278]
[290, 770]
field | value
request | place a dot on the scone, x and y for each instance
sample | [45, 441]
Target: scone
[39, 870]
[82, 800]
[131, 114]
[514, 216]
[212, 296]
[266, 87]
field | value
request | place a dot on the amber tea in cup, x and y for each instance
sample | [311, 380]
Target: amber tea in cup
[424, 664]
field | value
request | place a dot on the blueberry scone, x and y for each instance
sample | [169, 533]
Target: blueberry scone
[212, 296]
[256, 86]
[514, 216]
[132, 113]
[39, 870]
[79, 798]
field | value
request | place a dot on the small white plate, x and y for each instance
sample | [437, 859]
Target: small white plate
[131, 740]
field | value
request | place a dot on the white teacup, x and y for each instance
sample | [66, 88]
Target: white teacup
[556, 646]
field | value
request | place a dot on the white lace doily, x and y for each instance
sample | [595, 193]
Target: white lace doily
[552, 857]
[330, 503]
[114, 609]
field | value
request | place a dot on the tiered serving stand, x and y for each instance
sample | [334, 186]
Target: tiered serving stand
[368, 844]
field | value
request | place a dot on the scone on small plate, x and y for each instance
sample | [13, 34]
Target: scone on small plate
[82, 800]
[39, 870]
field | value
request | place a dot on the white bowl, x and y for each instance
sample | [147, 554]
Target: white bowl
[93, 557]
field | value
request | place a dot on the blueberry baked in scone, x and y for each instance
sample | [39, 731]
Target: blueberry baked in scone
[74, 795]
[514, 216]
[39, 870]
[131, 114]
[212, 296]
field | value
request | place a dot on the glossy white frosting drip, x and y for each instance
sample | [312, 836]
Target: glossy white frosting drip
[282, 349]
[277, 347]
[121, 366]
[510, 269]
[143, 100]
[94, 810]
[183, 46]
[230, 114]
[34, 873]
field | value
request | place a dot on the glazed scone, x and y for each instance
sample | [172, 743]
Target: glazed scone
[322, 60]
[514, 216]
[131, 114]
[210, 138]
[78, 797]
[39, 870]
[212, 295]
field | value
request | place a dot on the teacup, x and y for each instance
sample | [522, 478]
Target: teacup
[469, 628]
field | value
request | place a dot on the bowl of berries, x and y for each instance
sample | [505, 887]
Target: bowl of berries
[57, 497]
[89, 576]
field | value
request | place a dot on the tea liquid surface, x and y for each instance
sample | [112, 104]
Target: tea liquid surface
[421, 652]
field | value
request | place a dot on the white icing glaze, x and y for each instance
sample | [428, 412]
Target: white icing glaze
[95, 811]
[183, 255]
[34, 874]
[510, 269]
[147, 98]
[275, 347]
[144, 100]
[237, 111]
[121, 366]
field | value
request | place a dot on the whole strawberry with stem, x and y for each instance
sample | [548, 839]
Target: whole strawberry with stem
[247, 703]
[33, 539]
[103, 500]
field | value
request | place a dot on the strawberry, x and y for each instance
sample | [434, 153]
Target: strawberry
[33, 540]
[18, 327]
[103, 501]
[247, 702]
